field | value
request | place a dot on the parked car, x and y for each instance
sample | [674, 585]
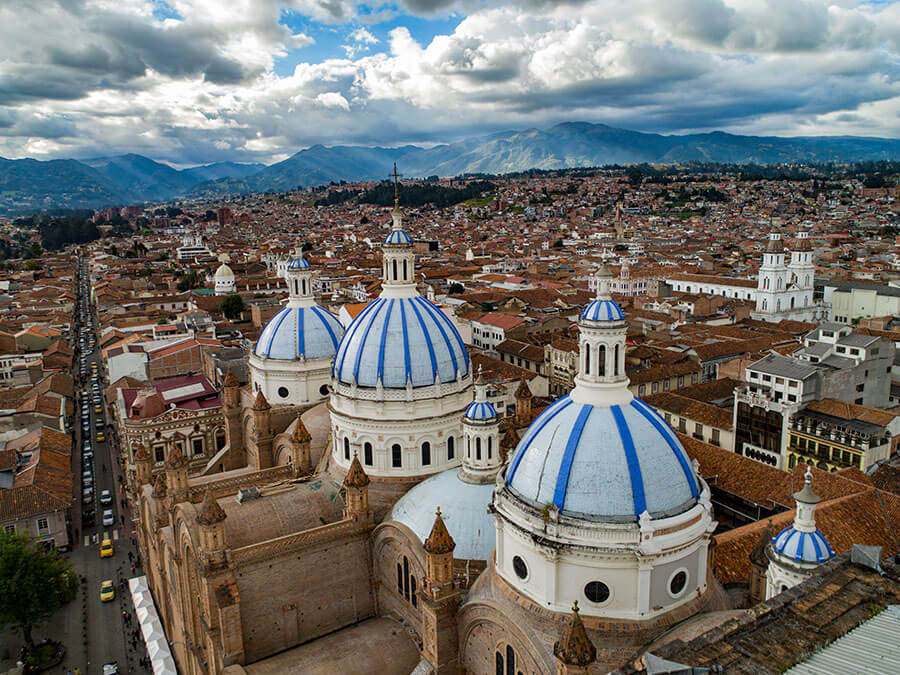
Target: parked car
[106, 548]
[87, 495]
[105, 497]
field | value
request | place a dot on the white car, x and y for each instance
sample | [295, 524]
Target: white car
[105, 497]
[108, 518]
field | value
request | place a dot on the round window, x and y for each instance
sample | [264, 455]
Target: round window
[596, 591]
[323, 390]
[519, 567]
[678, 582]
[283, 392]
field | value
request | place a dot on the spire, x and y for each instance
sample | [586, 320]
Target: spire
[301, 433]
[604, 276]
[210, 511]
[231, 380]
[260, 403]
[480, 387]
[439, 541]
[396, 177]
[758, 554]
[574, 647]
[356, 476]
[806, 499]
[523, 391]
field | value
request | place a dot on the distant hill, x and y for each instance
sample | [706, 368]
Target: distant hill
[28, 185]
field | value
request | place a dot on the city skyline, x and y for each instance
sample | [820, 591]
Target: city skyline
[190, 81]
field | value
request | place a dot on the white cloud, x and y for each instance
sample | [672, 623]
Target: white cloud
[202, 86]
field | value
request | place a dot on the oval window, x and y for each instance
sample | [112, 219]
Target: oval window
[283, 392]
[596, 591]
[323, 390]
[519, 567]
[678, 582]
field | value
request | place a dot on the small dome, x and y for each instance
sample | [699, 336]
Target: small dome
[295, 332]
[397, 237]
[400, 340]
[224, 272]
[810, 547]
[480, 410]
[298, 263]
[464, 508]
[603, 463]
[603, 310]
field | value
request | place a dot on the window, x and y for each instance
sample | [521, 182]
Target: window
[681, 380]
[714, 437]
[396, 456]
[426, 453]
[159, 453]
[399, 578]
[346, 448]
[406, 578]
[197, 446]
[220, 440]
[587, 360]
[394, 264]
[42, 525]
[323, 390]
[654, 387]
[596, 591]
[861, 386]
[478, 448]
[616, 363]
[283, 392]
[666, 385]
[9, 529]
[678, 583]
[641, 390]
[519, 567]
[367, 454]
[490, 447]
[450, 448]
[412, 589]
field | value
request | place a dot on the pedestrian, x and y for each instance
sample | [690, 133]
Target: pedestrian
[132, 569]
[130, 554]
[123, 519]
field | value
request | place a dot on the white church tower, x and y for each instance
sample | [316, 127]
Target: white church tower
[797, 550]
[773, 279]
[481, 436]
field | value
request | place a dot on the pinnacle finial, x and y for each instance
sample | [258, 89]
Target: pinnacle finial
[396, 177]
[808, 475]
[438, 512]
[575, 606]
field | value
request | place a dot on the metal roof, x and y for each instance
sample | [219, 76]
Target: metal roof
[784, 366]
[871, 647]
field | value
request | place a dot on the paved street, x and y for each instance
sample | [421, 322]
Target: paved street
[94, 632]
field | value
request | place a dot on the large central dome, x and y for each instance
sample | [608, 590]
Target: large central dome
[608, 463]
[399, 340]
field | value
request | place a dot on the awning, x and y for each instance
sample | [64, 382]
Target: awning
[151, 628]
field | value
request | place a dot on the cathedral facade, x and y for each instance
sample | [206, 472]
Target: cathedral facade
[563, 544]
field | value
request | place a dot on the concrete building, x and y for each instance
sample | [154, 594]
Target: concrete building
[853, 300]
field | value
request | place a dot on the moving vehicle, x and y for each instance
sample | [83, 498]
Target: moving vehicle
[107, 591]
[106, 548]
[108, 518]
[100, 437]
[105, 497]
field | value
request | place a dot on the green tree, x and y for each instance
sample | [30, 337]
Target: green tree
[456, 288]
[232, 306]
[34, 584]
[31, 265]
[189, 281]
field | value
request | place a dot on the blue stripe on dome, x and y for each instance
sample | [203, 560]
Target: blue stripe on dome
[603, 310]
[283, 313]
[827, 544]
[634, 466]
[480, 410]
[384, 330]
[301, 345]
[326, 320]
[434, 365]
[440, 316]
[365, 337]
[447, 342]
[533, 430]
[815, 543]
[562, 478]
[348, 337]
[407, 373]
[397, 237]
[663, 427]
[799, 554]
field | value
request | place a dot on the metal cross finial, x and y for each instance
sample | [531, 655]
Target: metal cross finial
[396, 176]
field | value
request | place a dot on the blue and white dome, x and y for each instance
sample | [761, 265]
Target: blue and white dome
[464, 508]
[399, 340]
[298, 263]
[809, 547]
[397, 237]
[300, 332]
[603, 310]
[480, 411]
[603, 463]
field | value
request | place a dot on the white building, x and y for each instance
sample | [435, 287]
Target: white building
[401, 377]
[600, 503]
[785, 291]
[224, 280]
[192, 246]
[291, 362]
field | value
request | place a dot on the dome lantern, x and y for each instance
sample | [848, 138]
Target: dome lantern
[481, 434]
[299, 281]
[398, 263]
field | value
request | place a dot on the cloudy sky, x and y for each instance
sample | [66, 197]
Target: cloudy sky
[195, 81]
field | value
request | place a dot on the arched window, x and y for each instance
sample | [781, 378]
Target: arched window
[404, 269]
[510, 660]
[792, 303]
[765, 304]
[346, 448]
[396, 456]
[587, 359]
[450, 448]
[412, 592]
[394, 264]
[406, 578]
[469, 448]
[478, 448]
[400, 578]
[779, 284]
[490, 447]
[601, 359]
[766, 283]
[426, 453]
[616, 363]
[778, 305]
[367, 454]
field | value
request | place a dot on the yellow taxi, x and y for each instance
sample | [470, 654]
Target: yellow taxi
[100, 437]
[107, 591]
[98, 409]
[106, 548]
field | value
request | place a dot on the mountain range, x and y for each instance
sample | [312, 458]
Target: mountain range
[30, 185]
